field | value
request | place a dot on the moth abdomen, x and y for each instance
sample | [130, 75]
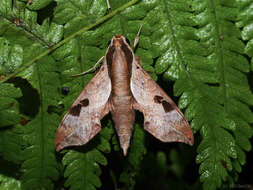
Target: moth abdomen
[123, 116]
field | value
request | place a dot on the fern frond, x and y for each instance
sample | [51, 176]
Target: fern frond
[40, 166]
[27, 39]
[105, 137]
[11, 56]
[77, 14]
[137, 149]
[244, 22]
[11, 143]
[82, 169]
[9, 111]
[135, 156]
[19, 24]
[38, 4]
[210, 69]
[10, 138]
[7, 183]
[244, 132]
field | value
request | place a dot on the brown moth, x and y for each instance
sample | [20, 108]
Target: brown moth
[121, 86]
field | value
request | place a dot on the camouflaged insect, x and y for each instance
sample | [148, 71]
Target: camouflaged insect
[121, 86]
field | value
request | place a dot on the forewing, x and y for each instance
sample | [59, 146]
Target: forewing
[82, 122]
[162, 118]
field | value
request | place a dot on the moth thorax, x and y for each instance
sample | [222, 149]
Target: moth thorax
[120, 74]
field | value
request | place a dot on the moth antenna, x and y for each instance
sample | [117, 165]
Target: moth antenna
[136, 40]
[91, 69]
[108, 5]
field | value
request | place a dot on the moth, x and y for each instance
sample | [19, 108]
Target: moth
[122, 86]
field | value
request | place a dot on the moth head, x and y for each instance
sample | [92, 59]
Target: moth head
[119, 44]
[118, 40]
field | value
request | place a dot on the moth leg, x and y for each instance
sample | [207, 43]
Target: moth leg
[136, 40]
[108, 4]
[91, 69]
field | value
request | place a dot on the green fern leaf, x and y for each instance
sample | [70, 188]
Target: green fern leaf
[82, 169]
[38, 4]
[137, 149]
[7, 183]
[135, 156]
[11, 143]
[105, 138]
[40, 166]
[19, 25]
[77, 14]
[29, 37]
[84, 166]
[215, 111]
[25, 35]
[10, 133]
[245, 22]
[11, 56]
[9, 112]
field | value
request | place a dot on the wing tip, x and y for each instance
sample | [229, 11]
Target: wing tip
[58, 147]
[190, 141]
[60, 135]
[190, 136]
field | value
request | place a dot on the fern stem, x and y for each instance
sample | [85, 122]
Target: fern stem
[178, 49]
[28, 31]
[41, 134]
[78, 33]
[219, 52]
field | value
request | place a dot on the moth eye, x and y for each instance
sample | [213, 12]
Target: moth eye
[109, 42]
[127, 40]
